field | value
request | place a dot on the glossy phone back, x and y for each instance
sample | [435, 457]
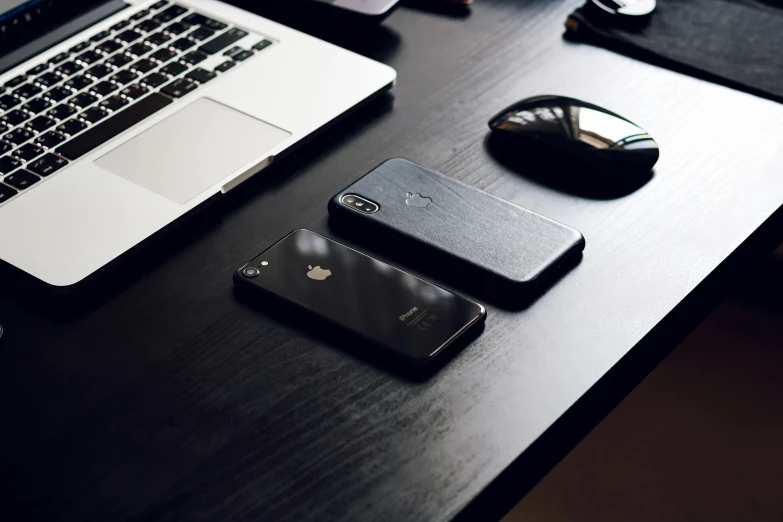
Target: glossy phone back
[464, 225]
[411, 317]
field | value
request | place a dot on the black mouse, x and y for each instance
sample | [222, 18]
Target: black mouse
[611, 146]
[625, 8]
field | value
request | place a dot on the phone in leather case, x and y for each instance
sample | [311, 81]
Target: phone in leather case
[448, 227]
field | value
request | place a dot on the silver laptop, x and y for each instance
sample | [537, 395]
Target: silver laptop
[120, 116]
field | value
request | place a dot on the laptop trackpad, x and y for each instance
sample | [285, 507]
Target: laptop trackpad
[192, 150]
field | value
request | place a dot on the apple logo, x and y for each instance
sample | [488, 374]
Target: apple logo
[417, 200]
[318, 273]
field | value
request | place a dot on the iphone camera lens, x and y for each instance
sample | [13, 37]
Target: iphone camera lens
[250, 271]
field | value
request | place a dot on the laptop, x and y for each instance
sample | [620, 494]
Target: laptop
[118, 117]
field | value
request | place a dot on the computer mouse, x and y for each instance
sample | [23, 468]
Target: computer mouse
[625, 8]
[611, 146]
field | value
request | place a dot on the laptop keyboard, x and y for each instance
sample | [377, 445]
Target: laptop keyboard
[82, 98]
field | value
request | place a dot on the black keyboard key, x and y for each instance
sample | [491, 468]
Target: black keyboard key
[69, 68]
[194, 57]
[263, 44]
[234, 50]
[114, 103]
[6, 193]
[159, 5]
[99, 71]
[144, 65]
[224, 40]
[148, 25]
[5, 147]
[61, 112]
[77, 83]
[48, 79]
[200, 75]
[72, 127]
[58, 93]
[171, 13]
[19, 136]
[197, 19]
[50, 139]
[28, 90]
[183, 44]
[138, 16]
[119, 60]
[104, 88]
[113, 126]
[176, 28]
[244, 55]
[41, 123]
[15, 117]
[174, 68]
[125, 76]
[22, 179]
[109, 46]
[129, 36]
[158, 39]
[140, 49]
[10, 84]
[89, 57]
[134, 91]
[28, 152]
[84, 99]
[79, 47]
[163, 55]
[179, 87]
[154, 80]
[9, 164]
[47, 165]
[37, 105]
[119, 26]
[94, 114]
[38, 69]
[214, 24]
[202, 33]
[100, 36]
[59, 58]
[9, 101]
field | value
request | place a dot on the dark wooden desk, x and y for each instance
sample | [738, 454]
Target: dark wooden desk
[169, 399]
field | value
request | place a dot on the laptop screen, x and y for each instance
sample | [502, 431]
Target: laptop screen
[22, 21]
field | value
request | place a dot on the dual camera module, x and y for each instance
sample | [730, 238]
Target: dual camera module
[359, 203]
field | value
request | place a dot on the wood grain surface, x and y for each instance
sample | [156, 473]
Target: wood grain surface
[160, 396]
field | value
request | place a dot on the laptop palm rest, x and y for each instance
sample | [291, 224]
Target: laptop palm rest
[192, 150]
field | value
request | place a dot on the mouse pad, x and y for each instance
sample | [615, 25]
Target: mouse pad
[737, 43]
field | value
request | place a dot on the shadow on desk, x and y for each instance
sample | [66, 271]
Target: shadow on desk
[450, 9]
[66, 304]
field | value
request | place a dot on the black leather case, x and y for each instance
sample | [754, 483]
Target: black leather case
[470, 231]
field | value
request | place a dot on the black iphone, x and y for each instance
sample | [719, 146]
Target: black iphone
[430, 219]
[414, 319]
